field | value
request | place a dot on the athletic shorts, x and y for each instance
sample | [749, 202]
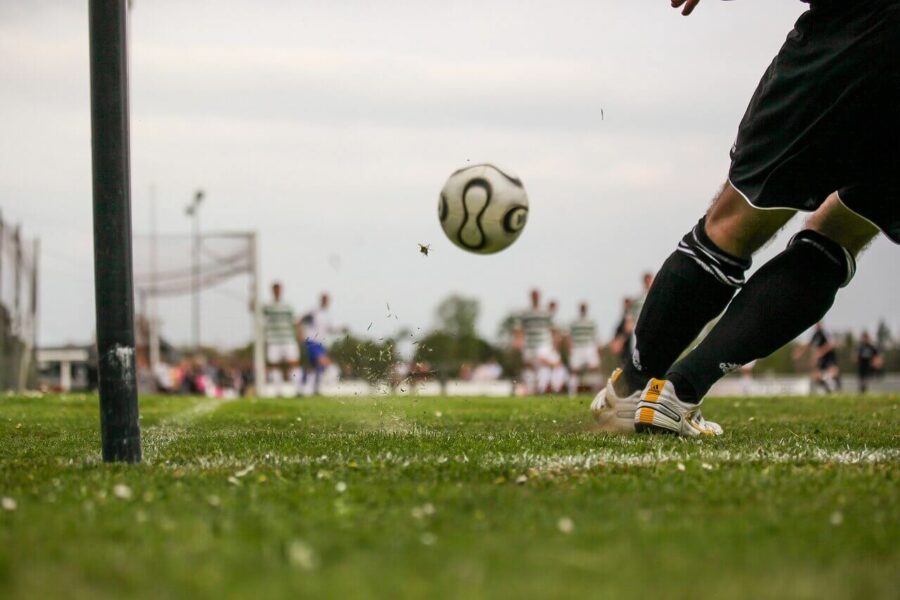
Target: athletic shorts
[585, 357]
[315, 350]
[826, 116]
[282, 352]
[827, 361]
[543, 353]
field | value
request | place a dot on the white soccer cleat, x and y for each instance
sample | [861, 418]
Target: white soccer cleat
[612, 412]
[660, 411]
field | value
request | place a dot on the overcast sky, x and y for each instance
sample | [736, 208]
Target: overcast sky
[330, 126]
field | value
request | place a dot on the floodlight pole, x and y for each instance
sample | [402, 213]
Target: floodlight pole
[259, 358]
[193, 211]
[113, 276]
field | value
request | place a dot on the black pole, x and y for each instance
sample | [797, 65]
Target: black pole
[113, 284]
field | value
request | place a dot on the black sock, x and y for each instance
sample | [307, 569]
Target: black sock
[786, 296]
[693, 286]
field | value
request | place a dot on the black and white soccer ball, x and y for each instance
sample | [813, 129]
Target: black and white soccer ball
[483, 209]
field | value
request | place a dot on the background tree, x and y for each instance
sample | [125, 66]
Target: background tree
[455, 342]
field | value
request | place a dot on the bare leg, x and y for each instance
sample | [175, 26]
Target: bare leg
[696, 283]
[788, 294]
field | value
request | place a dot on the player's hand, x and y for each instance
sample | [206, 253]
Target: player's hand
[689, 5]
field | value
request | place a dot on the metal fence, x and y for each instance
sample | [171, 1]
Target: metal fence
[18, 307]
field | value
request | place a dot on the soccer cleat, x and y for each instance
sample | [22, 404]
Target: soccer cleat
[660, 411]
[612, 412]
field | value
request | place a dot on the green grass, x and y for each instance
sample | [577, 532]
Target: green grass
[465, 498]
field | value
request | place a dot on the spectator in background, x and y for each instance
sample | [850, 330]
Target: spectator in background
[488, 371]
[868, 361]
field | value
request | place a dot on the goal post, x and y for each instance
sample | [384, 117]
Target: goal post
[113, 279]
[173, 266]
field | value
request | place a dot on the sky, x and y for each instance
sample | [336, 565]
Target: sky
[330, 127]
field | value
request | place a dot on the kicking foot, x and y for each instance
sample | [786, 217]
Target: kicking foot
[660, 411]
[612, 412]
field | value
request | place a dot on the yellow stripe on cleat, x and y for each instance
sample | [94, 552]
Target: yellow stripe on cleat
[646, 415]
[656, 386]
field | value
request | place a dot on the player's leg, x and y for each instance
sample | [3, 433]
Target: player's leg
[558, 377]
[835, 374]
[696, 282]
[785, 297]
[820, 381]
[693, 286]
[320, 362]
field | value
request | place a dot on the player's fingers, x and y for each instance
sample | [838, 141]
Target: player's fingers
[689, 7]
[677, 3]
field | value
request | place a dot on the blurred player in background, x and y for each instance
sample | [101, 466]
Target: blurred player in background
[621, 344]
[584, 351]
[558, 372]
[638, 303]
[533, 336]
[317, 329]
[282, 350]
[819, 135]
[747, 378]
[868, 361]
[826, 372]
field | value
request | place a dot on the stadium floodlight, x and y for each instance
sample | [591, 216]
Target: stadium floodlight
[113, 285]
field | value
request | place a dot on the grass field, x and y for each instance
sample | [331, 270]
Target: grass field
[435, 498]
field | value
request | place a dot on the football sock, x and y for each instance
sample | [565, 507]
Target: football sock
[317, 379]
[544, 374]
[786, 296]
[693, 286]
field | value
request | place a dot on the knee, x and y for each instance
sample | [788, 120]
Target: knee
[842, 226]
[839, 256]
[739, 228]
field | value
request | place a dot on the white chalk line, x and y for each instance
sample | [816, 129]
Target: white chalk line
[552, 462]
[177, 426]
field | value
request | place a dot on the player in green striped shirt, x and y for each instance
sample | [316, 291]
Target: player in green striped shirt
[282, 350]
[584, 354]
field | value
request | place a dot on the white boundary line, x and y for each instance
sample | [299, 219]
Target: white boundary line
[559, 462]
[158, 437]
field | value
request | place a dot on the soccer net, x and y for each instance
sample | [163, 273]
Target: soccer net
[182, 282]
[18, 307]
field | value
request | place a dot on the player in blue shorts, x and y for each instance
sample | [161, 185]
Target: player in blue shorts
[317, 329]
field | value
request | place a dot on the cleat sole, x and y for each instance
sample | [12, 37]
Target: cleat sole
[653, 429]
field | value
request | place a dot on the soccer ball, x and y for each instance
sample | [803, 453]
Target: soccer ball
[483, 209]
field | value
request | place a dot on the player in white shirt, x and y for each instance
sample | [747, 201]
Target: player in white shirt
[317, 330]
[282, 350]
[533, 335]
[584, 353]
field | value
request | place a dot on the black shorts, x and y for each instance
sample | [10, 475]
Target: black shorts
[827, 361]
[826, 116]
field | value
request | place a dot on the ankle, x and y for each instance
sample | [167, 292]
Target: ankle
[684, 389]
[623, 387]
